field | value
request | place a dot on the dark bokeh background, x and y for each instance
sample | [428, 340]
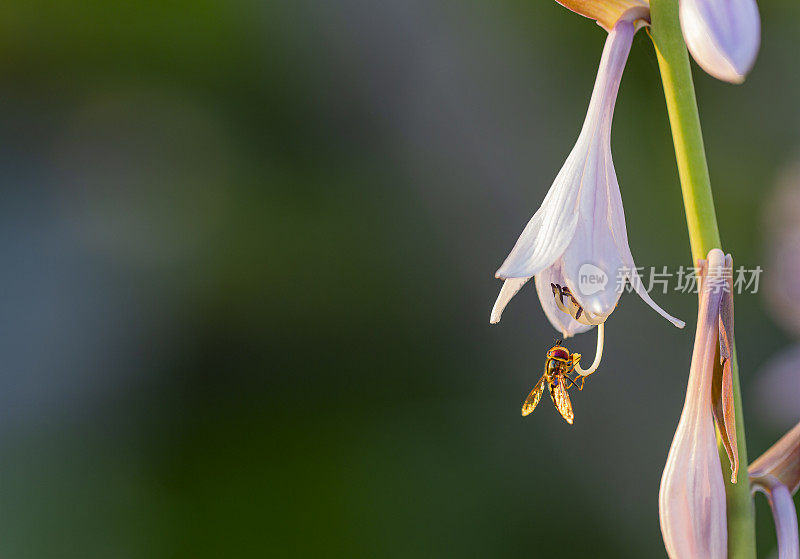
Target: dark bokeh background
[248, 253]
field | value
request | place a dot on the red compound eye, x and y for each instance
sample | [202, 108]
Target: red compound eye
[559, 353]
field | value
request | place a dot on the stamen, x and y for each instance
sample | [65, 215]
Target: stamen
[598, 355]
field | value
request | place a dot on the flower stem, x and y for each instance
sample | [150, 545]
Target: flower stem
[701, 218]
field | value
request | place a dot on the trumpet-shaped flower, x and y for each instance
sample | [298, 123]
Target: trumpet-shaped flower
[722, 35]
[691, 499]
[577, 239]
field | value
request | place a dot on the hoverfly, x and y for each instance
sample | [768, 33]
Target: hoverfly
[560, 362]
[567, 302]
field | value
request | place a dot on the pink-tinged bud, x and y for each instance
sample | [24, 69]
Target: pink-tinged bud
[776, 473]
[608, 12]
[779, 464]
[691, 499]
[722, 35]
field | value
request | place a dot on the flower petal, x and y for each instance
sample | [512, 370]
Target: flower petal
[510, 288]
[781, 463]
[776, 473]
[638, 287]
[785, 516]
[592, 261]
[551, 229]
[593, 253]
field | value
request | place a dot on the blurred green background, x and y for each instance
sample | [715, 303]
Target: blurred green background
[248, 259]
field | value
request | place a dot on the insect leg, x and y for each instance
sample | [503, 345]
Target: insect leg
[573, 362]
[574, 382]
[575, 358]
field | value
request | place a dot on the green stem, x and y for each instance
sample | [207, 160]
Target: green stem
[701, 218]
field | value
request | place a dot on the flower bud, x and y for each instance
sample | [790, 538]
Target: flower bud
[722, 35]
[691, 500]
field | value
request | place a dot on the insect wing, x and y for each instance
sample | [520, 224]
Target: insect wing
[562, 401]
[533, 398]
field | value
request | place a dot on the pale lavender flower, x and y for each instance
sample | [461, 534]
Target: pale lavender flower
[785, 517]
[776, 473]
[691, 500]
[579, 232]
[723, 36]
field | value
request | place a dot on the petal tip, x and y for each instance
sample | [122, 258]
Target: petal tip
[509, 289]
